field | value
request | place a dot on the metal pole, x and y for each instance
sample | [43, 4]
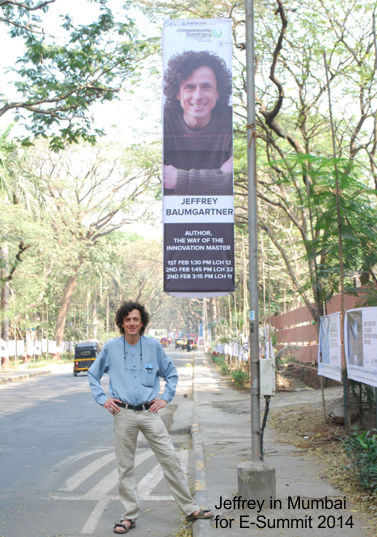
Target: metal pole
[253, 243]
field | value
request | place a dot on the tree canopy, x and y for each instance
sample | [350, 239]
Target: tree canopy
[312, 57]
[56, 78]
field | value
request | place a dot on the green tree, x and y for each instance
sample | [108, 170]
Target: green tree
[21, 198]
[57, 79]
[90, 193]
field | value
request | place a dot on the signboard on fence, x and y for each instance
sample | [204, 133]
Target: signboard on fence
[329, 349]
[198, 206]
[360, 344]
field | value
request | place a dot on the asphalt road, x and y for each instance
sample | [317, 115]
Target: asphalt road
[58, 472]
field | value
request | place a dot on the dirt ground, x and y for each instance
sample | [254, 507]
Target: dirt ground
[297, 414]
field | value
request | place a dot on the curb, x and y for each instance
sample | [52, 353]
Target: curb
[6, 380]
[199, 527]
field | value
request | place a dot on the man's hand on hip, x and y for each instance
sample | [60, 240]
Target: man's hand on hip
[111, 405]
[157, 404]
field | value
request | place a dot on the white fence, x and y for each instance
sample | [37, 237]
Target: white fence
[20, 347]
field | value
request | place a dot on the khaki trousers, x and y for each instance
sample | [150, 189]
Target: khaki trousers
[127, 424]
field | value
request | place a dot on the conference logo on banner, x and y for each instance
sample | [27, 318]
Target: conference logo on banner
[360, 344]
[198, 206]
[329, 350]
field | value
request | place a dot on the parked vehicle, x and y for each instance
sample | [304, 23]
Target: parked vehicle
[185, 344]
[164, 341]
[85, 354]
[181, 343]
[193, 344]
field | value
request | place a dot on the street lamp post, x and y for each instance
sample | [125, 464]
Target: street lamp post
[253, 233]
[255, 478]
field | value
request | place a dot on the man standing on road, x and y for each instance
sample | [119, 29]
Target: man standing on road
[135, 364]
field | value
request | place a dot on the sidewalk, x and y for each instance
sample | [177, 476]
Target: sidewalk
[23, 372]
[221, 435]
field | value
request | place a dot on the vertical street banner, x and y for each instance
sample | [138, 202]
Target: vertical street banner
[198, 207]
[360, 344]
[329, 350]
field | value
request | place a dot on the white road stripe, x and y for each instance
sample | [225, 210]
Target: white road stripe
[110, 481]
[152, 478]
[94, 517]
[79, 477]
[77, 457]
[150, 481]
[103, 487]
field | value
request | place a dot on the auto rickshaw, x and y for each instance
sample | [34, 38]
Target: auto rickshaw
[85, 354]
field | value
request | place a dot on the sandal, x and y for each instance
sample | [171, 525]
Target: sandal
[123, 526]
[203, 514]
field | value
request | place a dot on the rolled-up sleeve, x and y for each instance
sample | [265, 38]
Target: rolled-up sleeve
[95, 373]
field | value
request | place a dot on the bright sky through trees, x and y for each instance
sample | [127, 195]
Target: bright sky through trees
[135, 115]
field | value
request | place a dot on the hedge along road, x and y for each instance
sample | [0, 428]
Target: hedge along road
[58, 468]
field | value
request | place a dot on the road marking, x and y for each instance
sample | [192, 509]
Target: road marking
[145, 487]
[152, 479]
[111, 480]
[100, 492]
[101, 489]
[79, 477]
[149, 482]
[94, 517]
[77, 457]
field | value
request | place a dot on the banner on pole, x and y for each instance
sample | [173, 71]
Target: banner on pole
[198, 207]
[360, 344]
[329, 353]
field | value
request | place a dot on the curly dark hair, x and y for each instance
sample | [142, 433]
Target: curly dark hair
[181, 66]
[125, 308]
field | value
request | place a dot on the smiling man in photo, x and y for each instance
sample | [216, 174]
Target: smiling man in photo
[197, 126]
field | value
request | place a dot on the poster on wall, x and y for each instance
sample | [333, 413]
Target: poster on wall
[198, 206]
[329, 350]
[360, 344]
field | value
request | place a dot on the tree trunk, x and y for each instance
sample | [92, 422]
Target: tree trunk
[64, 308]
[107, 314]
[4, 256]
[213, 306]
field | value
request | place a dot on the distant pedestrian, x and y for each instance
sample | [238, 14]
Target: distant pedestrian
[135, 364]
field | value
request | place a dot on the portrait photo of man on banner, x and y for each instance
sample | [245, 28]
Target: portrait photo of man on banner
[198, 157]
[197, 172]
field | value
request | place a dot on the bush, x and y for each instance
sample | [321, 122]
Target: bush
[224, 369]
[240, 377]
[361, 448]
[220, 361]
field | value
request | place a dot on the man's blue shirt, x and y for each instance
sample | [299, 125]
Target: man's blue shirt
[134, 372]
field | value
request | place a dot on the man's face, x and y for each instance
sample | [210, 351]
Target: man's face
[197, 96]
[132, 324]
